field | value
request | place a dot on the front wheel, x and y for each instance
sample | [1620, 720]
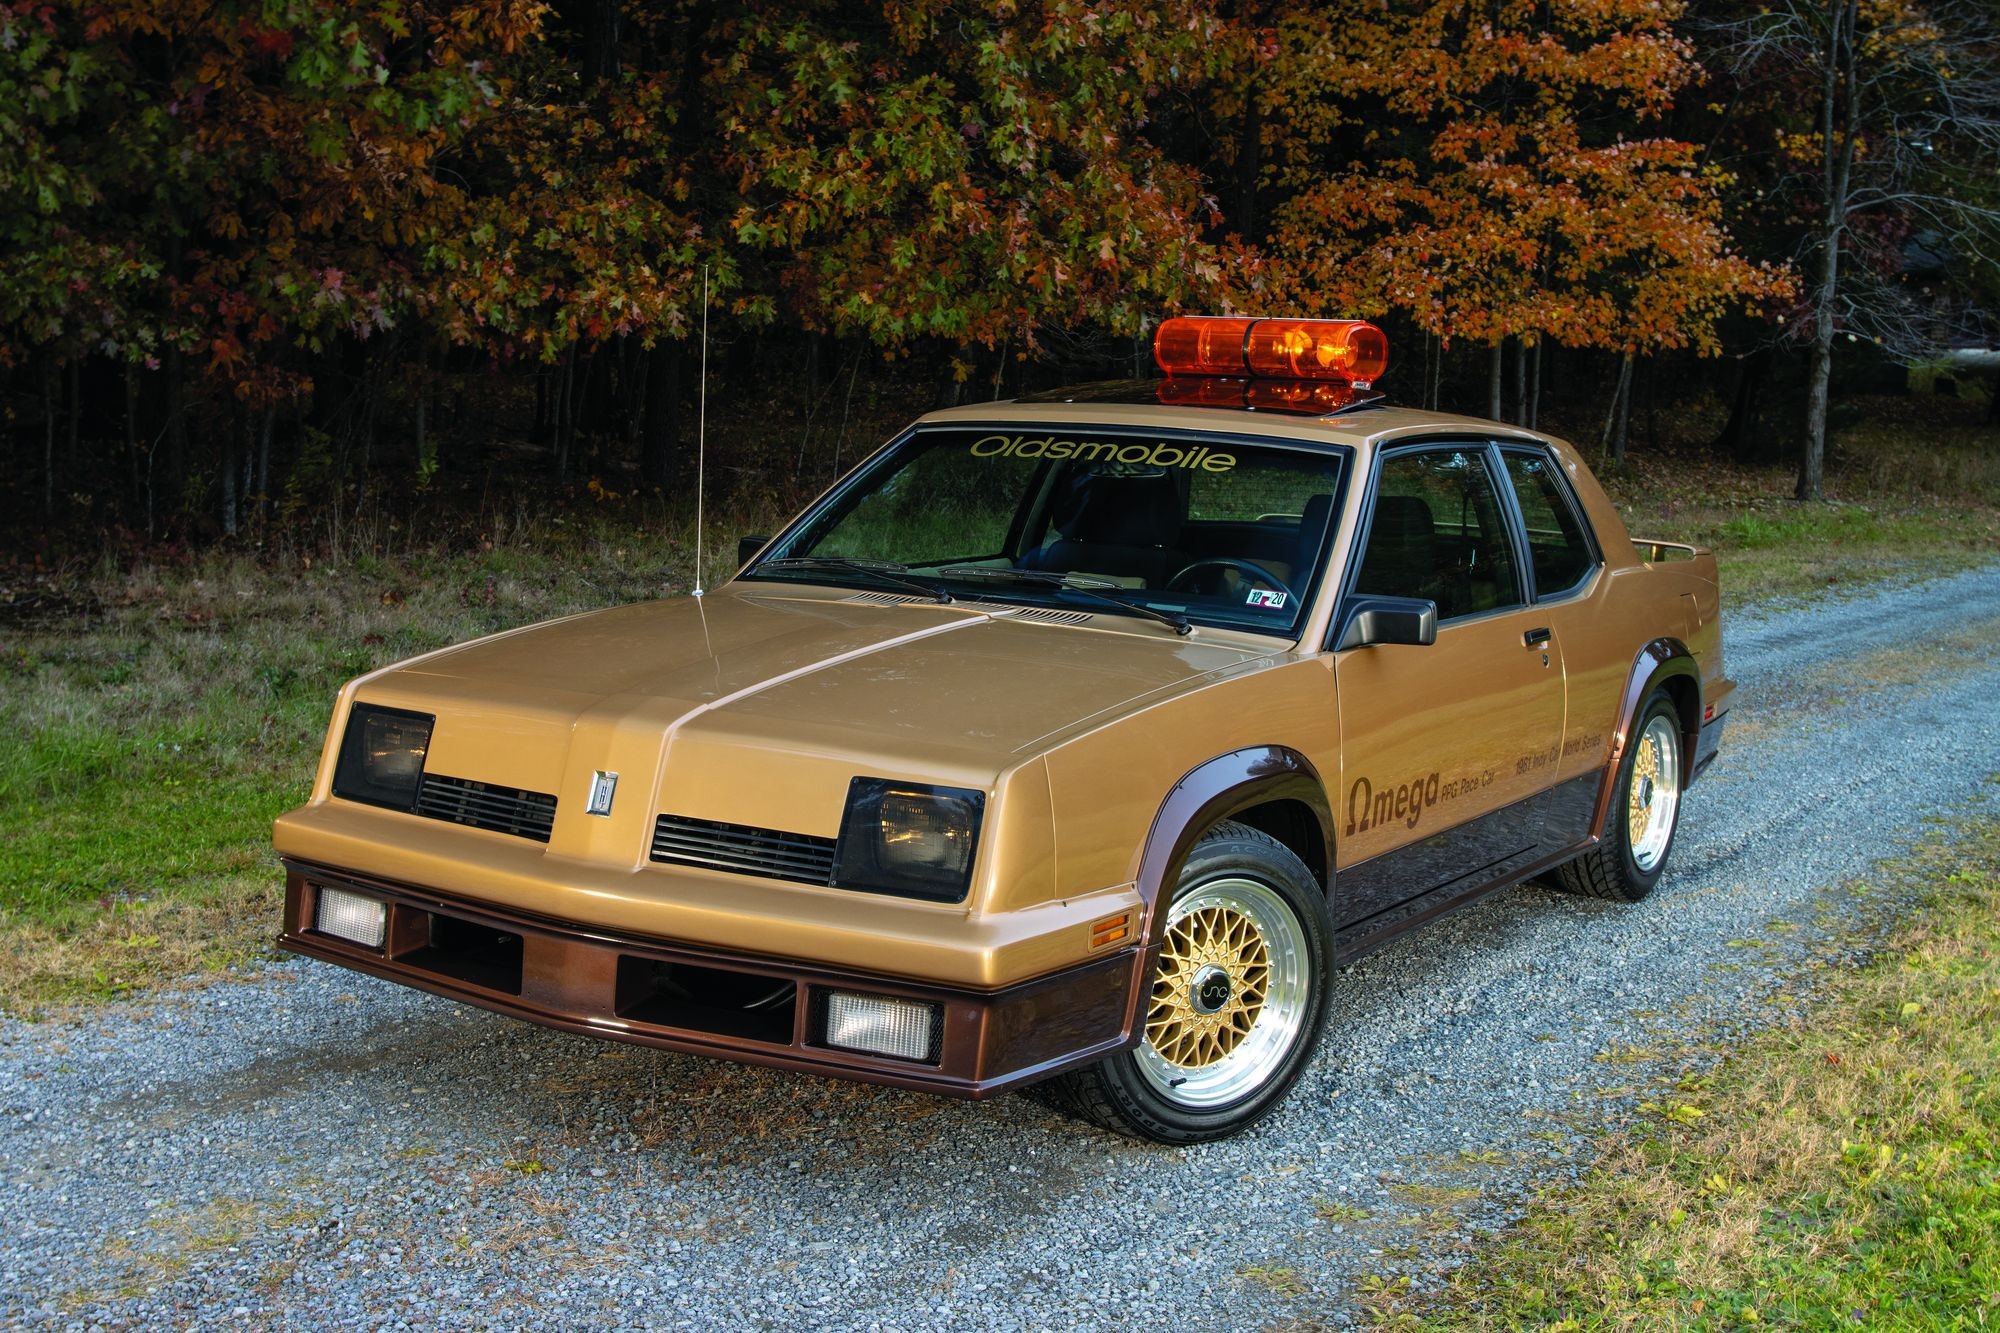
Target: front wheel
[1645, 811]
[1237, 1002]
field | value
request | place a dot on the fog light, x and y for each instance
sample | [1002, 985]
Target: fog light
[352, 917]
[880, 1025]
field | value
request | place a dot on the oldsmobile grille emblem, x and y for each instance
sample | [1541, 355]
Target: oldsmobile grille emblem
[603, 786]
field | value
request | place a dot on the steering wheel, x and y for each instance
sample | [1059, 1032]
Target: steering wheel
[1185, 580]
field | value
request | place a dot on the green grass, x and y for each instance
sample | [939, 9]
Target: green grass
[1841, 1171]
[155, 719]
[1914, 490]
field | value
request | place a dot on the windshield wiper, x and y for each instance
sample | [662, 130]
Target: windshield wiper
[884, 571]
[1101, 589]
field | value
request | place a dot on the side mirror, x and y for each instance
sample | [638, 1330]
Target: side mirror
[1372, 620]
[747, 548]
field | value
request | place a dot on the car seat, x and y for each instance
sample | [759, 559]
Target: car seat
[1312, 531]
[1402, 558]
[1118, 526]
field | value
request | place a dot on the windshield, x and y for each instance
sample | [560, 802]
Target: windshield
[1204, 529]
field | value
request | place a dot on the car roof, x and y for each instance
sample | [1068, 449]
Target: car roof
[1135, 404]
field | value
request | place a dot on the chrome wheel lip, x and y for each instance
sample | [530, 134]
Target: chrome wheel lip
[1650, 821]
[1262, 1054]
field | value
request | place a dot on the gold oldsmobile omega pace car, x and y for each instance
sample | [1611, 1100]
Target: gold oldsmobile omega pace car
[1076, 738]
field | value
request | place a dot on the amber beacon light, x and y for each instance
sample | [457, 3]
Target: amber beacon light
[1349, 351]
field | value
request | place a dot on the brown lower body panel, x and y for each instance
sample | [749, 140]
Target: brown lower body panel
[752, 1010]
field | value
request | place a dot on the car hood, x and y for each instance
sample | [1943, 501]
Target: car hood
[724, 702]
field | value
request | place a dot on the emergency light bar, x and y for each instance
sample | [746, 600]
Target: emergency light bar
[1310, 397]
[1348, 351]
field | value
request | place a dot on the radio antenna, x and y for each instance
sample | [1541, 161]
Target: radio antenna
[701, 436]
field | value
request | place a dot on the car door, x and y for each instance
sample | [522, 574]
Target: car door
[1564, 566]
[1447, 746]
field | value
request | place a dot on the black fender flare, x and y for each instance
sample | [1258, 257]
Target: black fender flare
[1214, 791]
[1206, 795]
[1664, 659]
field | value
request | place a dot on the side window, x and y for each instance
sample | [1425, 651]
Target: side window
[1437, 534]
[1556, 541]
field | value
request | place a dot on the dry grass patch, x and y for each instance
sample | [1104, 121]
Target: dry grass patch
[137, 947]
[1842, 1171]
[1912, 489]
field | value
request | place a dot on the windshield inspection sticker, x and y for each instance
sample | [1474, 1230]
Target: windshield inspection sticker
[1266, 597]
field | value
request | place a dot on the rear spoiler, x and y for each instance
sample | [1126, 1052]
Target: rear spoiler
[1656, 552]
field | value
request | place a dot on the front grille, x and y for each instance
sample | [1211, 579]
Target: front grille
[746, 851]
[525, 814]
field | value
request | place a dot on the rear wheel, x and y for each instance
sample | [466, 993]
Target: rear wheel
[1237, 1002]
[1645, 811]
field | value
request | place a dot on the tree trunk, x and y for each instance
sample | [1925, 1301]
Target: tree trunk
[1520, 381]
[1249, 163]
[951, 390]
[565, 413]
[229, 471]
[426, 449]
[847, 407]
[1739, 438]
[1812, 468]
[1624, 413]
[1839, 136]
[1613, 442]
[1535, 390]
[1493, 376]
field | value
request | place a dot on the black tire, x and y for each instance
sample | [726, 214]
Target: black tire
[1611, 870]
[1121, 1094]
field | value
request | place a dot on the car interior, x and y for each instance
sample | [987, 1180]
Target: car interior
[1134, 526]
[1437, 534]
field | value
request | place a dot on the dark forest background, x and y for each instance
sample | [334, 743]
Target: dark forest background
[289, 267]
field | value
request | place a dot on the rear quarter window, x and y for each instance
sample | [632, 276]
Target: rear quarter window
[1559, 548]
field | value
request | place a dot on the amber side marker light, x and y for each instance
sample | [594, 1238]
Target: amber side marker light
[1110, 930]
[1347, 351]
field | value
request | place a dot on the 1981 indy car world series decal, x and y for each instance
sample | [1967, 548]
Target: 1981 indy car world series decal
[1074, 740]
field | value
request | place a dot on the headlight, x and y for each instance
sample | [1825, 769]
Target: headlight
[382, 756]
[909, 839]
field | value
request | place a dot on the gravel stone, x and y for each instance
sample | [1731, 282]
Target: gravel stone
[310, 1148]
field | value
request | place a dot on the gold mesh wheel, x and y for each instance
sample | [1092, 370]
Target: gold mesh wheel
[1653, 792]
[1214, 954]
[1231, 997]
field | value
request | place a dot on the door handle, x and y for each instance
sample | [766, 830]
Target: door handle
[1535, 638]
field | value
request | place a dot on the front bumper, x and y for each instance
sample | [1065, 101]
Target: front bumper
[650, 992]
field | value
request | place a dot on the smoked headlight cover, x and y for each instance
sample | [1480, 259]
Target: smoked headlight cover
[382, 756]
[910, 839]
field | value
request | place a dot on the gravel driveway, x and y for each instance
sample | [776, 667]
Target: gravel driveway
[313, 1148]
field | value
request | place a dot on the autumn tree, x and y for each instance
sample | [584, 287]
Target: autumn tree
[978, 173]
[1891, 142]
[1494, 173]
[224, 195]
